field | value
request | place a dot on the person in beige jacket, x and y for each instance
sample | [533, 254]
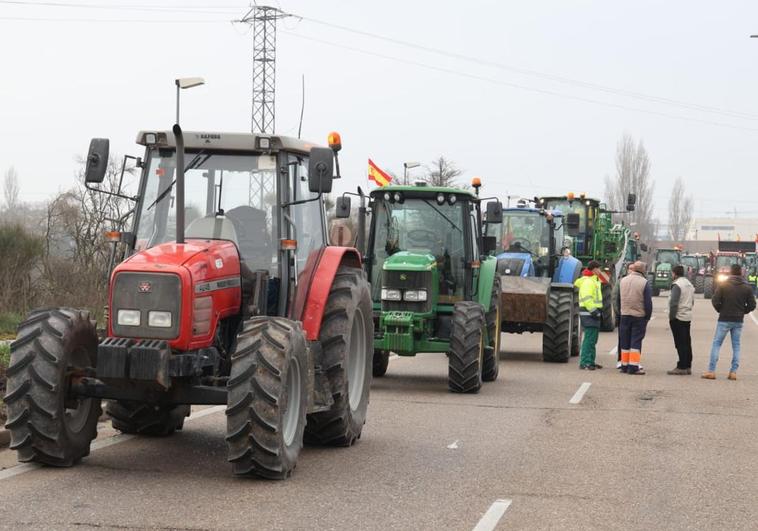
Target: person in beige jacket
[681, 301]
[636, 302]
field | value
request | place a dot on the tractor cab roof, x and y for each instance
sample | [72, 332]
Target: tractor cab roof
[215, 141]
[555, 212]
[419, 190]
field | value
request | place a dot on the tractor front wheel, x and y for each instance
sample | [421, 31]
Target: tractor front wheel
[346, 336]
[491, 366]
[699, 283]
[708, 288]
[558, 330]
[381, 363]
[466, 354]
[267, 398]
[47, 424]
[146, 419]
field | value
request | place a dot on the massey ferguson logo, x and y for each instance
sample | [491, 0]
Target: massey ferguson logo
[145, 287]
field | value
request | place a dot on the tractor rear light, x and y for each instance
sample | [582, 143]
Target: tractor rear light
[288, 245]
[415, 295]
[159, 319]
[391, 294]
[128, 317]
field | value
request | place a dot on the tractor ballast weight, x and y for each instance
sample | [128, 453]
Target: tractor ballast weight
[537, 280]
[223, 295]
[434, 287]
[595, 236]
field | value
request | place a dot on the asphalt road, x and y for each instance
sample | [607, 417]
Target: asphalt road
[633, 452]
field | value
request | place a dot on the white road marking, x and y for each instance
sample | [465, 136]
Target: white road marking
[614, 351]
[752, 316]
[453, 445]
[493, 515]
[104, 443]
[580, 393]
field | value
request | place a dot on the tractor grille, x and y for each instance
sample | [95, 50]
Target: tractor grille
[404, 280]
[146, 292]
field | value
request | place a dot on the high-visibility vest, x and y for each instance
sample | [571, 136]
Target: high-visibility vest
[590, 293]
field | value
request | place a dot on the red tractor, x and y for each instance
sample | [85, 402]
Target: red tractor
[226, 293]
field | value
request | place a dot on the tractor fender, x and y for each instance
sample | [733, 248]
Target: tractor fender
[487, 270]
[315, 283]
[568, 270]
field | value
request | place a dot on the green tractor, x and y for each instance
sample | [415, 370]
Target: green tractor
[434, 286]
[661, 276]
[596, 237]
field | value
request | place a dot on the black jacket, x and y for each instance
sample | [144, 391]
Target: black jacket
[733, 299]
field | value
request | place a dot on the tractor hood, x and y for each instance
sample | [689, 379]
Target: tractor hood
[410, 261]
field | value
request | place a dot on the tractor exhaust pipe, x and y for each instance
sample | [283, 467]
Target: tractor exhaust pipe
[179, 183]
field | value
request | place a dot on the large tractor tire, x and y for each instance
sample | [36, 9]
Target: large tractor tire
[466, 354]
[708, 288]
[575, 340]
[146, 419]
[607, 321]
[699, 283]
[381, 363]
[491, 366]
[558, 330]
[267, 398]
[347, 334]
[48, 425]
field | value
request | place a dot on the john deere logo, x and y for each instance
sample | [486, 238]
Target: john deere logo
[403, 276]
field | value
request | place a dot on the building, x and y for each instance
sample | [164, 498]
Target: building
[714, 229]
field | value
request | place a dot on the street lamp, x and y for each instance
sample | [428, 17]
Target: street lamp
[406, 167]
[185, 83]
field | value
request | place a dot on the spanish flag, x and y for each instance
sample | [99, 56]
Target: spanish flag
[378, 176]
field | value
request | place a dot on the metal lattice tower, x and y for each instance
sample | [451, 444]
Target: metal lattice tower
[263, 20]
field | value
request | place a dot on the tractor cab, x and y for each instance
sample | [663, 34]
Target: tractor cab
[432, 280]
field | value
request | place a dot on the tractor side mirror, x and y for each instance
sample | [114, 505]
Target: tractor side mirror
[97, 161]
[631, 201]
[489, 244]
[342, 207]
[572, 223]
[643, 247]
[321, 170]
[494, 212]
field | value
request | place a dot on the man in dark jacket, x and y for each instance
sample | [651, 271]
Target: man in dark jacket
[733, 300]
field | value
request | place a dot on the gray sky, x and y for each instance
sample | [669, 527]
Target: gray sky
[111, 73]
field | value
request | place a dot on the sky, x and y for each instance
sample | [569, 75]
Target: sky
[530, 96]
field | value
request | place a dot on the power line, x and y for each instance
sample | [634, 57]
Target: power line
[127, 7]
[518, 86]
[119, 20]
[542, 75]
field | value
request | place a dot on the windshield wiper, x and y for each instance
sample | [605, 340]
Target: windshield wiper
[196, 161]
[443, 215]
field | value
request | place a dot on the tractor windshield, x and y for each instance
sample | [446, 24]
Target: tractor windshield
[228, 197]
[525, 232]
[725, 261]
[584, 236]
[422, 226]
[668, 257]
[690, 261]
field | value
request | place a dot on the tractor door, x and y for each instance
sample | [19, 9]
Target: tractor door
[474, 236]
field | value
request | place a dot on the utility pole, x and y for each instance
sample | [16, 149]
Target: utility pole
[263, 19]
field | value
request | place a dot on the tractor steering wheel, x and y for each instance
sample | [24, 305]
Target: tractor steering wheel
[522, 244]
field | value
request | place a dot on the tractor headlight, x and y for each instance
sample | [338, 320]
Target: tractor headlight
[415, 295]
[159, 319]
[128, 317]
[391, 294]
[440, 198]
[722, 277]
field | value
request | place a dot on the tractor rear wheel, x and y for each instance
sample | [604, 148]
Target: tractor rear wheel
[708, 288]
[699, 283]
[575, 343]
[347, 332]
[558, 330]
[146, 419]
[466, 354]
[48, 425]
[267, 398]
[491, 366]
[607, 321]
[381, 362]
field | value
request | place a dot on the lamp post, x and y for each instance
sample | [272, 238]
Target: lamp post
[185, 83]
[406, 167]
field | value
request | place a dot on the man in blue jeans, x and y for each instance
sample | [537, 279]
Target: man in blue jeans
[733, 300]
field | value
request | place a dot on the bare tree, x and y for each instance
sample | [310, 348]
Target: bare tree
[10, 189]
[633, 176]
[442, 172]
[680, 211]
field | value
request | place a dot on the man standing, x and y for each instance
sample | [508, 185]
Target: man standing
[590, 312]
[733, 300]
[681, 301]
[636, 296]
